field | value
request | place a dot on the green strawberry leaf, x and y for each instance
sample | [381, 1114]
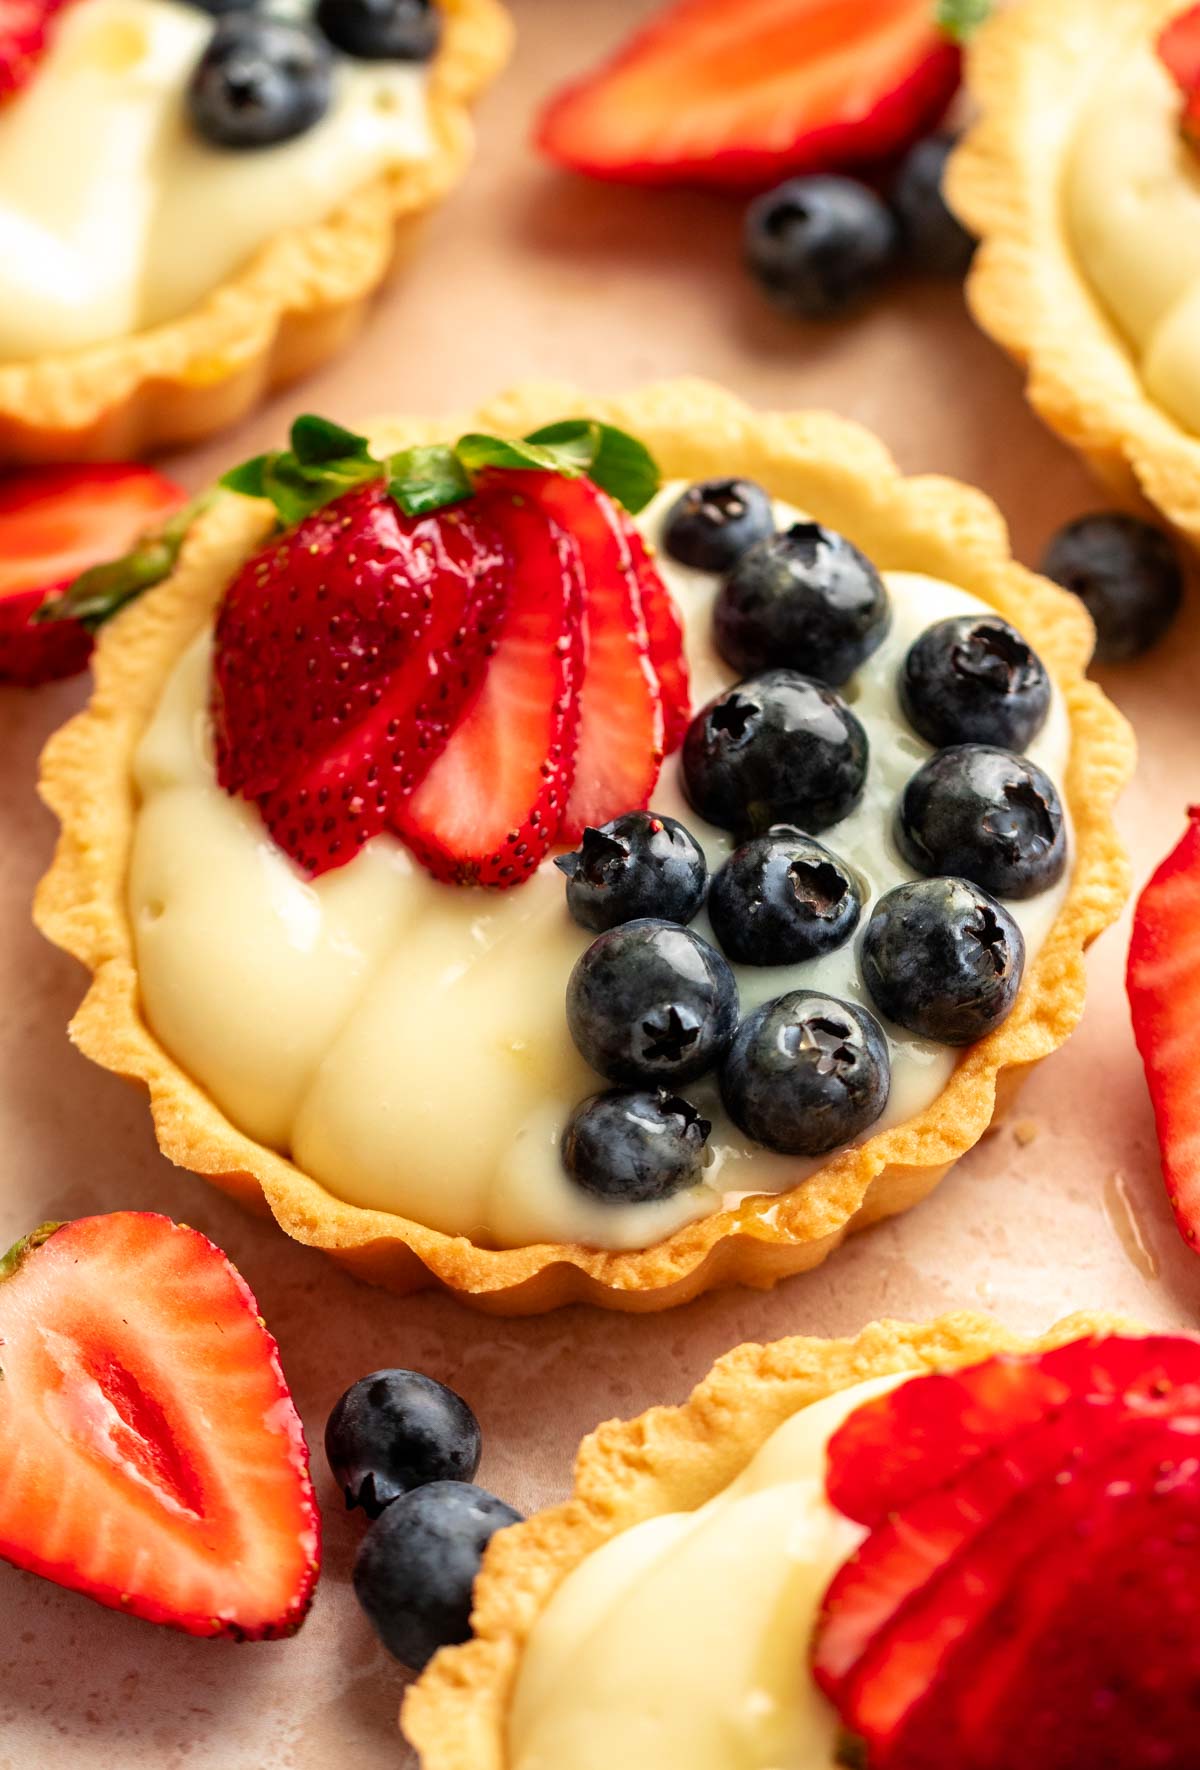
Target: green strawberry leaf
[319, 441]
[427, 478]
[960, 19]
[622, 465]
[99, 593]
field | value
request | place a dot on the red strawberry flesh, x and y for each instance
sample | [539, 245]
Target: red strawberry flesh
[150, 1454]
[24, 37]
[1179, 49]
[665, 638]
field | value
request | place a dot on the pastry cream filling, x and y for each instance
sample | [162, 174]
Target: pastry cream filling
[683, 1643]
[1132, 199]
[115, 215]
[405, 1042]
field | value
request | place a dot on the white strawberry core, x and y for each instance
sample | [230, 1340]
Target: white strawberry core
[405, 1042]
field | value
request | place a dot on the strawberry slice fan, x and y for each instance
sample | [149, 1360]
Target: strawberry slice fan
[1033, 1552]
[741, 96]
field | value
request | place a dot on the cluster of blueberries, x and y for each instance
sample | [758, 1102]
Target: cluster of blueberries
[263, 79]
[777, 760]
[406, 1448]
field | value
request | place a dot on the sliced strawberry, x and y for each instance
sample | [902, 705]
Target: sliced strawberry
[492, 803]
[664, 635]
[1179, 49]
[743, 95]
[1164, 994]
[24, 35]
[56, 522]
[619, 749]
[150, 1454]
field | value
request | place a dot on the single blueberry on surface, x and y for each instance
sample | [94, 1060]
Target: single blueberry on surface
[984, 814]
[650, 1002]
[805, 599]
[416, 1567]
[973, 679]
[634, 1147]
[1127, 575]
[641, 864]
[778, 748]
[933, 237]
[806, 1073]
[396, 1430]
[382, 30]
[260, 81]
[943, 959]
[783, 898]
[819, 246]
[711, 525]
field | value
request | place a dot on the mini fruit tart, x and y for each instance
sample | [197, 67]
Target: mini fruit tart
[1082, 180]
[865, 1552]
[552, 883]
[198, 200]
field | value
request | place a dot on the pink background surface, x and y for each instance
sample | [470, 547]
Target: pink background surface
[527, 274]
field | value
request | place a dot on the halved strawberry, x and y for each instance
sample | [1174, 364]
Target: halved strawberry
[1163, 980]
[619, 749]
[24, 33]
[713, 93]
[491, 805]
[664, 635]
[56, 522]
[150, 1454]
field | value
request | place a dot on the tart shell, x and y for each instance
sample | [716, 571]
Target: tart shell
[1030, 71]
[827, 466]
[671, 1459]
[298, 302]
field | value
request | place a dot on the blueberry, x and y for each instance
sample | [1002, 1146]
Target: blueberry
[651, 1002]
[260, 81]
[415, 1568]
[973, 679]
[986, 815]
[806, 1073]
[819, 245]
[382, 30]
[632, 1147]
[782, 898]
[944, 959]
[932, 236]
[637, 865]
[777, 749]
[715, 521]
[806, 599]
[1127, 575]
[396, 1430]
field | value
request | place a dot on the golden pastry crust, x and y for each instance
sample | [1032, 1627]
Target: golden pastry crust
[1031, 71]
[299, 301]
[846, 478]
[671, 1459]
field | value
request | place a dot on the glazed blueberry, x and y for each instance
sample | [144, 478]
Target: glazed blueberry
[651, 1002]
[987, 815]
[972, 679]
[806, 1073]
[782, 898]
[777, 749]
[631, 1147]
[1127, 575]
[382, 30]
[805, 599]
[260, 81]
[932, 236]
[944, 959]
[714, 522]
[819, 246]
[396, 1430]
[416, 1566]
[637, 865]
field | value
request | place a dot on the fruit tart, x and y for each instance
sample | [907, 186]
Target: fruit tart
[198, 200]
[600, 858]
[876, 1552]
[1082, 179]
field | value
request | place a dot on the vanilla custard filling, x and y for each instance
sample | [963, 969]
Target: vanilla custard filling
[684, 1643]
[115, 215]
[1132, 199]
[405, 1042]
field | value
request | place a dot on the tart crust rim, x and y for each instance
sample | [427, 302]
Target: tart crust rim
[820, 462]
